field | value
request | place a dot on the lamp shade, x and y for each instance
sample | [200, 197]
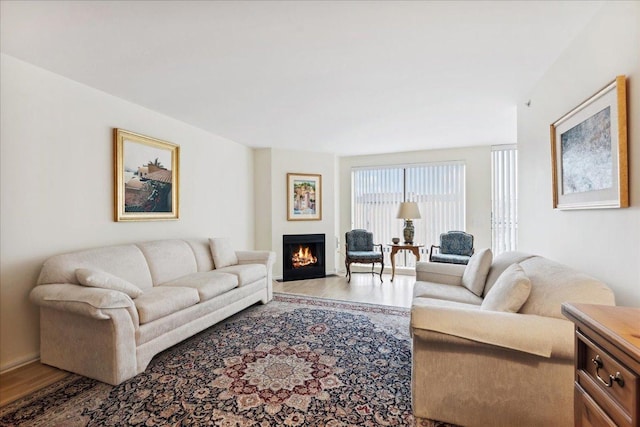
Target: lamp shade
[408, 210]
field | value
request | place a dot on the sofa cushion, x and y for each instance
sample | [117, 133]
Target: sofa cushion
[161, 301]
[202, 252]
[442, 291]
[475, 275]
[222, 252]
[209, 284]
[500, 264]
[542, 336]
[246, 273]
[553, 283]
[510, 291]
[449, 274]
[168, 259]
[124, 261]
[102, 279]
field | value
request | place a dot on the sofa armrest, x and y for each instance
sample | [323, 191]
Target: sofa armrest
[87, 301]
[438, 272]
[528, 333]
[267, 258]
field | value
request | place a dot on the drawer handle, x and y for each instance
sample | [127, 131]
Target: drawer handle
[617, 378]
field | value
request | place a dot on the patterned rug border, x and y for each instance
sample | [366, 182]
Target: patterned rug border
[342, 304]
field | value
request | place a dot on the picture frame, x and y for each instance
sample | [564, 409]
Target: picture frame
[589, 152]
[146, 178]
[304, 197]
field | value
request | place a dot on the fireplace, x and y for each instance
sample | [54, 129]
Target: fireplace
[303, 256]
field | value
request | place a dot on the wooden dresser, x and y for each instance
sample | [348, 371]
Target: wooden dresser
[607, 363]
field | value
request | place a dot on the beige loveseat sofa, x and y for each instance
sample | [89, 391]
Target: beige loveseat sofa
[500, 358]
[105, 312]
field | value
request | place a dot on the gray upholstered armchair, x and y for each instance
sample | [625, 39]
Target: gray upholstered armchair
[456, 247]
[361, 249]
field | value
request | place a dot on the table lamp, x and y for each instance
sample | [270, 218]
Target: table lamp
[408, 211]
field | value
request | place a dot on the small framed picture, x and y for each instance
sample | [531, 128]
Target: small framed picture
[304, 197]
[146, 177]
[589, 152]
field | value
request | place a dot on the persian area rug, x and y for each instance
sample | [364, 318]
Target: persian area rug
[297, 361]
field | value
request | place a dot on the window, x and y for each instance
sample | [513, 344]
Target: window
[438, 188]
[504, 198]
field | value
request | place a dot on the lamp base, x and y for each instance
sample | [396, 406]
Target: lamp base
[408, 232]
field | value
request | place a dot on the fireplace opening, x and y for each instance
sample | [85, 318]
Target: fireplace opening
[303, 256]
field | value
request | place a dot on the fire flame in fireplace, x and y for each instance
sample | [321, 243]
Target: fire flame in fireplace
[303, 257]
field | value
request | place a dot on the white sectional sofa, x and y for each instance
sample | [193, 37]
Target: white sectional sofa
[105, 312]
[490, 345]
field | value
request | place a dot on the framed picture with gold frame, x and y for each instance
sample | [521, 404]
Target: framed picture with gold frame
[589, 152]
[146, 177]
[304, 197]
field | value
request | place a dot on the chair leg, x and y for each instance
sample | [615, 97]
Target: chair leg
[373, 270]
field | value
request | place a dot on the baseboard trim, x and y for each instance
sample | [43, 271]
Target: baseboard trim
[24, 361]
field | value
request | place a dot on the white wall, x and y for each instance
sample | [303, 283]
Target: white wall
[603, 243]
[57, 185]
[478, 186]
[263, 198]
[272, 166]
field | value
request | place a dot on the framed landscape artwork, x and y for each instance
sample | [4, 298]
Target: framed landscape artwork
[146, 177]
[304, 197]
[589, 152]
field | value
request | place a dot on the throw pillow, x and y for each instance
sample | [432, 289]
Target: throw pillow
[510, 291]
[475, 274]
[102, 279]
[222, 252]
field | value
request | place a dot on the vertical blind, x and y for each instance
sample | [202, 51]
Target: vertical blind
[504, 198]
[439, 190]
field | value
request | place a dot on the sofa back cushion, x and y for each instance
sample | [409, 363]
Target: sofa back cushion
[500, 264]
[202, 252]
[475, 275]
[553, 283]
[168, 259]
[222, 252]
[125, 261]
[510, 291]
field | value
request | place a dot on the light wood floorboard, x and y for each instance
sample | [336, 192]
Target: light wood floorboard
[364, 287]
[26, 379]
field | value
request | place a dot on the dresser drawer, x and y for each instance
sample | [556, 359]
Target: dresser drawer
[607, 346]
[613, 379]
[588, 413]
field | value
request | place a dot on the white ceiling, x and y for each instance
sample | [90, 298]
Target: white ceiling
[346, 77]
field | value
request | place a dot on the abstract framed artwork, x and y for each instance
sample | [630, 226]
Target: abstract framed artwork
[146, 177]
[589, 152]
[304, 197]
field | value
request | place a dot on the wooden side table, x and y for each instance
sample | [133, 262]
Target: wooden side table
[402, 247]
[607, 364]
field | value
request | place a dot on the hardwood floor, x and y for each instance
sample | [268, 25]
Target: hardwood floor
[363, 288]
[27, 379]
